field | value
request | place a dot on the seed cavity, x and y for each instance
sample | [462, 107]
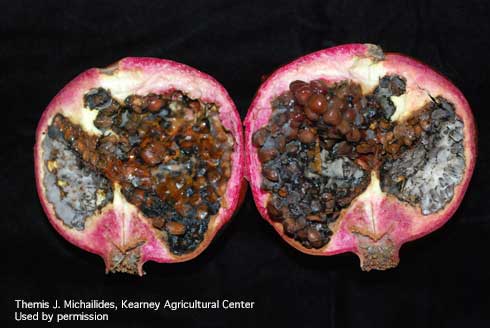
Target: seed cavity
[169, 153]
[323, 140]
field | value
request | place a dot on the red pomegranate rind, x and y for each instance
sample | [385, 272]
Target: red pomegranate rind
[120, 234]
[375, 224]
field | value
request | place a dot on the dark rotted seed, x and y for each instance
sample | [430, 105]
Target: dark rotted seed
[289, 132]
[293, 197]
[369, 135]
[259, 137]
[138, 196]
[179, 96]
[359, 120]
[333, 133]
[355, 91]
[165, 111]
[343, 202]
[302, 235]
[395, 84]
[311, 115]
[175, 228]
[330, 203]
[314, 237]
[213, 208]
[54, 132]
[301, 223]
[336, 103]
[189, 192]
[384, 124]
[202, 126]
[342, 148]
[365, 162]
[152, 154]
[297, 117]
[418, 130]
[105, 147]
[268, 185]
[213, 176]
[166, 125]
[407, 141]
[102, 121]
[365, 148]
[202, 212]
[413, 120]
[290, 226]
[267, 153]
[329, 143]
[399, 130]
[369, 114]
[315, 206]
[425, 125]
[136, 103]
[281, 143]
[302, 94]
[195, 105]
[332, 116]
[317, 103]
[283, 192]
[97, 98]
[284, 100]
[149, 156]
[134, 139]
[158, 223]
[344, 127]
[393, 148]
[314, 218]
[295, 210]
[155, 105]
[354, 135]
[342, 90]
[295, 85]
[292, 147]
[280, 119]
[327, 196]
[274, 212]
[405, 132]
[350, 115]
[322, 128]
[319, 86]
[306, 136]
[355, 104]
[271, 174]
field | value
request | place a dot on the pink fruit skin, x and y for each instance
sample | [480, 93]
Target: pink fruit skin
[114, 232]
[375, 237]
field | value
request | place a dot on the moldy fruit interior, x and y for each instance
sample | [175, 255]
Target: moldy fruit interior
[351, 149]
[140, 161]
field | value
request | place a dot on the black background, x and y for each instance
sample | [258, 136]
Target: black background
[442, 280]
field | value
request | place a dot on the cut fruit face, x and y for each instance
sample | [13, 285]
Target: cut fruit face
[353, 150]
[140, 161]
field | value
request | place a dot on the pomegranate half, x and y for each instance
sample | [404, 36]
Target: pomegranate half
[350, 149]
[140, 161]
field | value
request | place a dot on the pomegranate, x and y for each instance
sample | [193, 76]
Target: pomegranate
[354, 150]
[140, 161]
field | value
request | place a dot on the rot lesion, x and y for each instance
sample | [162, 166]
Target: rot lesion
[168, 153]
[324, 140]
